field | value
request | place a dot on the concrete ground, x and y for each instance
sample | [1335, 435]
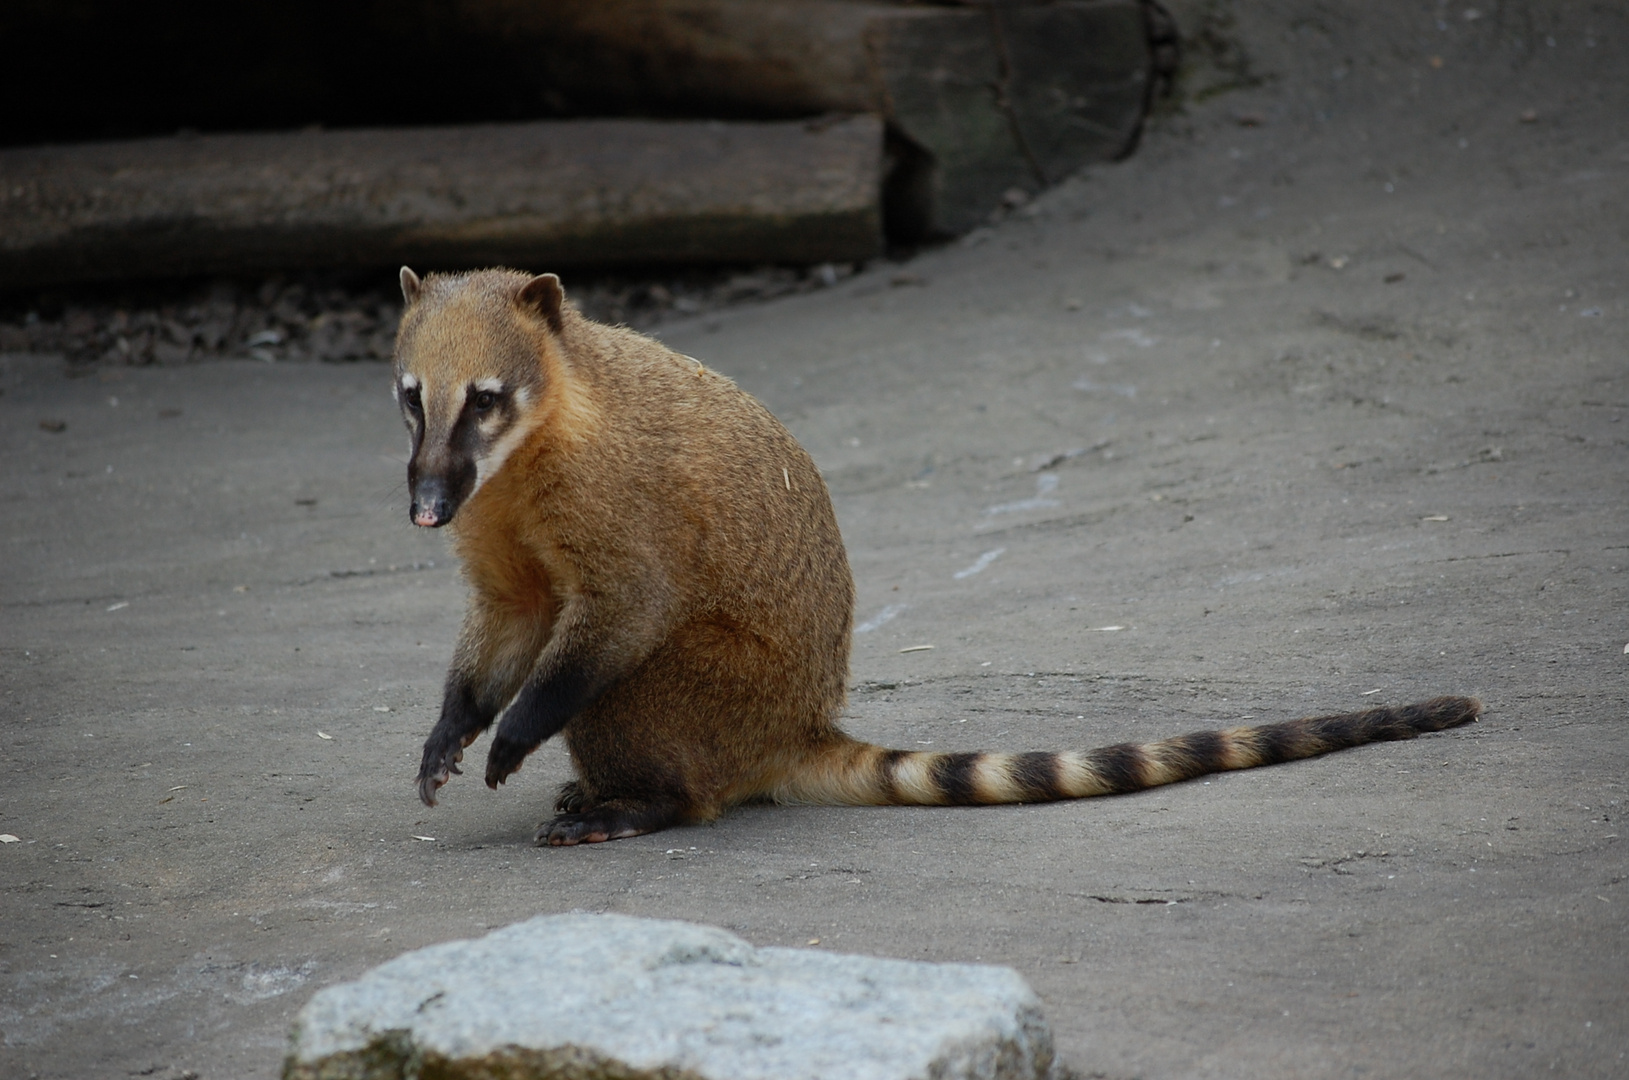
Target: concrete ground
[1318, 402]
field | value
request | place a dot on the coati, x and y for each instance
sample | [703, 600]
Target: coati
[655, 571]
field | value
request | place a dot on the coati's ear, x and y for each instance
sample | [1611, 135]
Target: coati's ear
[410, 286]
[544, 295]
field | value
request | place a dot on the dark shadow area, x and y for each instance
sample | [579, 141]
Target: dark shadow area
[111, 70]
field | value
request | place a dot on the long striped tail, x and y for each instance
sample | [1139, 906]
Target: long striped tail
[853, 773]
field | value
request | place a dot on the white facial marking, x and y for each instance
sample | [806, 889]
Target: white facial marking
[493, 460]
[409, 382]
[488, 425]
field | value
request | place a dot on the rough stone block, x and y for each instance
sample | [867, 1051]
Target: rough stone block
[609, 997]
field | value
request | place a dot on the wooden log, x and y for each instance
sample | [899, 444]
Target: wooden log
[537, 195]
[1079, 77]
[980, 97]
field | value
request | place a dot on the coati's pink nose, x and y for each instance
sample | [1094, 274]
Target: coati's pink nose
[431, 508]
[436, 498]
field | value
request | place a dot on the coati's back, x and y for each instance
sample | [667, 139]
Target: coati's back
[656, 572]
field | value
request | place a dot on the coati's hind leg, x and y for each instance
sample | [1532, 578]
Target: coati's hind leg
[615, 819]
[633, 797]
[684, 737]
[617, 794]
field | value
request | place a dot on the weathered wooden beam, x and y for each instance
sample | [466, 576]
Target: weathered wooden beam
[981, 97]
[590, 192]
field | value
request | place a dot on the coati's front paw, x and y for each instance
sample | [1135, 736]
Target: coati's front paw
[440, 764]
[503, 760]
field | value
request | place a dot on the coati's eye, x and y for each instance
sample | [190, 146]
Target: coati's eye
[484, 400]
[410, 396]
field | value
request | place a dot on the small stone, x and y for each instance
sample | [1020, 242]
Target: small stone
[617, 997]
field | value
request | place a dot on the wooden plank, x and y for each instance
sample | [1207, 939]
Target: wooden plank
[592, 192]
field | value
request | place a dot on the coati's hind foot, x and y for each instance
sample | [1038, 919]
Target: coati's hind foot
[615, 819]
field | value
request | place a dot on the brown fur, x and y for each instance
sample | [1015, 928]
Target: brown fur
[655, 571]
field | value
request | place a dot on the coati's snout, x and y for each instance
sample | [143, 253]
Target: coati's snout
[440, 476]
[437, 498]
[444, 469]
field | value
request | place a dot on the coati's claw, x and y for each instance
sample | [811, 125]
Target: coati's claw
[571, 799]
[439, 766]
[503, 760]
[427, 787]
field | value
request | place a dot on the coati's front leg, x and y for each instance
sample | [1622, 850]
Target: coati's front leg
[593, 645]
[495, 653]
[544, 706]
[463, 718]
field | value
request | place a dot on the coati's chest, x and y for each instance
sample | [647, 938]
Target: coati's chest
[511, 558]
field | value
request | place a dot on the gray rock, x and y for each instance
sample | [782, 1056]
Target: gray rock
[608, 997]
